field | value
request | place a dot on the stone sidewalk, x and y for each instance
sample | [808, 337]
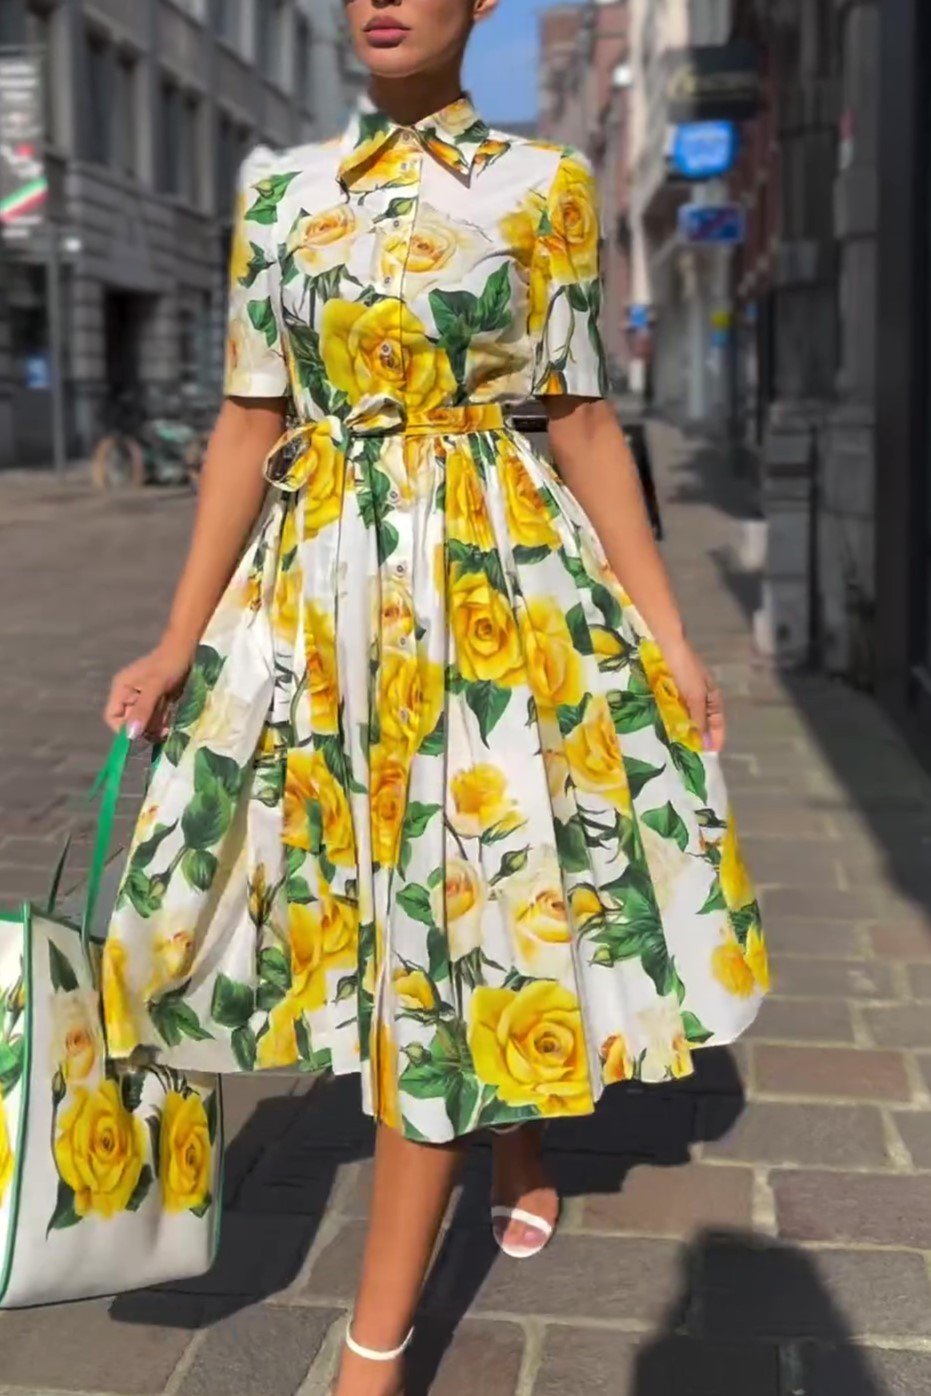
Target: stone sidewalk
[762, 1230]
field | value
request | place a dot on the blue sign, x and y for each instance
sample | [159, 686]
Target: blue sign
[704, 149]
[37, 372]
[638, 317]
[720, 224]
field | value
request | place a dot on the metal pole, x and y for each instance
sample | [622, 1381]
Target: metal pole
[56, 346]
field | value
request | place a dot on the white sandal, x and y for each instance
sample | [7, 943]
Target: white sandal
[374, 1354]
[512, 1214]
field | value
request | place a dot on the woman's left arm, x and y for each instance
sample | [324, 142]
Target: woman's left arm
[592, 456]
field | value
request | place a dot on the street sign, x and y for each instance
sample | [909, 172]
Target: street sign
[716, 224]
[704, 149]
[638, 317]
[23, 181]
[722, 82]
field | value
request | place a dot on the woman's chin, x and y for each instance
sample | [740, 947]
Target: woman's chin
[391, 63]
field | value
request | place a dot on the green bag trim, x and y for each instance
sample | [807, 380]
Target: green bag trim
[25, 920]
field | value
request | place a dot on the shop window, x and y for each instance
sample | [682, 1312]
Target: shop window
[99, 100]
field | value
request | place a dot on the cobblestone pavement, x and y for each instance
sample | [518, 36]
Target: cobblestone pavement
[762, 1230]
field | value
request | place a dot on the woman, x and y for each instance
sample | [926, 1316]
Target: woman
[439, 803]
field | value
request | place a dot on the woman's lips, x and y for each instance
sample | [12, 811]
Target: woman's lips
[386, 36]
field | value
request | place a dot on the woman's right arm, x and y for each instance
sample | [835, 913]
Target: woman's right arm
[232, 489]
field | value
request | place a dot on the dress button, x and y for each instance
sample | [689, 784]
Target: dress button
[401, 569]
[396, 223]
[393, 496]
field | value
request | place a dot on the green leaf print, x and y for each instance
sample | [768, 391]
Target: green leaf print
[62, 975]
[245, 1047]
[639, 773]
[435, 743]
[193, 700]
[304, 344]
[570, 715]
[144, 852]
[141, 1190]
[398, 208]
[200, 868]
[462, 1097]
[608, 606]
[175, 747]
[210, 766]
[415, 900]
[512, 862]
[154, 1126]
[417, 818]
[12, 1055]
[691, 768]
[131, 1083]
[65, 1213]
[262, 316]
[571, 845]
[207, 817]
[578, 629]
[577, 295]
[346, 988]
[488, 702]
[233, 1004]
[371, 124]
[695, 1030]
[668, 823]
[274, 967]
[493, 311]
[202, 1208]
[174, 1019]
[709, 819]
[523, 555]
[258, 263]
[631, 712]
[298, 890]
[437, 954]
[268, 996]
[715, 900]
[269, 193]
[386, 540]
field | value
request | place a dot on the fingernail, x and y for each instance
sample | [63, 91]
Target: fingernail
[134, 731]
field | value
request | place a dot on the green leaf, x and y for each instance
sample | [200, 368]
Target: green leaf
[656, 963]
[347, 988]
[570, 715]
[233, 1004]
[302, 1037]
[398, 208]
[268, 996]
[274, 967]
[207, 817]
[200, 868]
[212, 1111]
[511, 863]
[64, 1214]
[262, 316]
[193, 700]
[571, 845]
[695, 1030]
[202, 1208]
[691, 767]
[578, 629]
[210, 767]
[209, 662]
[416, 902]
[12, 1056]
[175, 746]
[639, 773]
[435, 743]
[154, 1126]
[269, 193]
[462, 1097]
[244, 1047]
[141, 1190]
[58, 1089]
[714, 900]
[578, 298]
[488, 702]
[63, 976]
[524, 555]
[131, 1083]
[417, 818]
[668, 823]
[299, 890]
[493, 311]
[607, 605]
[144, 852]
[174, 1019]
[437, 954]
[631, 712]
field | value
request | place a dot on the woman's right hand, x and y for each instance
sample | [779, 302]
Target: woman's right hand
[141, 693]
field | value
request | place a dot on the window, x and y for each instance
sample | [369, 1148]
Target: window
[227, 21]
[303, 68]
[191, 174]
[98, 143]
[171, 137]
[270, 45]
[41, 35]
[125, 139]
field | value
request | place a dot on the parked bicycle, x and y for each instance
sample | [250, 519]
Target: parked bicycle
[166, 448]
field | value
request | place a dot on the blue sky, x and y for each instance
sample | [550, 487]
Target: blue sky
[501, 72]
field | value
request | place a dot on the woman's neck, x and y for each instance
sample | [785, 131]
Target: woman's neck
[408, 100]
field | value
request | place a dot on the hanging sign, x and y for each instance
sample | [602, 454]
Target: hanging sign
[717, 224]
[719, 83]
[23, 180]
[704, 149]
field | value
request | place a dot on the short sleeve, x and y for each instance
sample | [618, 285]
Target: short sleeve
[255, 360]
[566, 286]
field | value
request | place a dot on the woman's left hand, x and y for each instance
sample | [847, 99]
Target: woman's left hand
[700, 692]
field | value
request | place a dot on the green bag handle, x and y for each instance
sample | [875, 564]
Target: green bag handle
[107, 786]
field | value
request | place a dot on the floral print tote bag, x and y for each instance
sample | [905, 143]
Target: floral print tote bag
[110, 1175]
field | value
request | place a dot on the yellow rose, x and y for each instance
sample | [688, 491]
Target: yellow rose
[595, 756]
[557, 771]
[618, 1065]
[459, 903]
[387, 1103]
[736, 883]
[729, 967]
[529, 523]
[530, 1045]
[487, 641]
[7, 1160]
[323, 240]
[467, 518]
[172, 957]
[286, 605]
[392, 610]
[459, 117]
[78, 1037]
[431, 245]
[537, 304]
[241, 250]
[667, 1051]
[278, 1046]
[383, 350]
[323, 935]
[388, 800]
[607, 644]
[320, 656]
[585, 903]
[412, 691]
[259, 897]
[488, 152]
[757, 958]
[185, 1166]
[409, 462]
[554, 665]
[308, 779]
[246, 354]
[536, 907]
[414, 989]
[572, 243]
[322, 467]
[520, 228]
[118, 1006]
[480, 802]
[676, 717]
[394, 166]
[99, 1150]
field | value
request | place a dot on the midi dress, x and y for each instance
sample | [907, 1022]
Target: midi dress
[431, 809]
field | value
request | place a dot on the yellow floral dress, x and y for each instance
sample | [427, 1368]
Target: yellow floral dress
[431, 809]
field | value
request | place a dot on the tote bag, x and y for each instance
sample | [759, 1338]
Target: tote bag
[110, 1175]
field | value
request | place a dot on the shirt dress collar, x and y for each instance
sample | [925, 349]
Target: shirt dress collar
[453, 136]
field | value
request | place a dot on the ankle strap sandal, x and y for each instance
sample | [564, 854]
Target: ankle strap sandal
[372, 1354]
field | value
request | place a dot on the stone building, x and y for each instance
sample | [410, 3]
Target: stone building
[151, 105]
[585, 102]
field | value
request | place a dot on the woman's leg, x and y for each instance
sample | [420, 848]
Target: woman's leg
[521, 1180]
[412, 1187]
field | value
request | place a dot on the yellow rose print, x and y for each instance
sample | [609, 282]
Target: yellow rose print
[736, 883]
[757, 958]
[595, 758]
[320, 654]
[537, 918]
[185, 1165]
[667, 1053]
[383, 349]
[99, 1150]
[586, 904]
[467, 518]
[388, 799]
[172, 957]
[414, 990]
[120, 1019]
[324, 935]
[278, 1046]
[241, 250]
[309, 780]
[323, 240]
[729, 967]
[385, 1078]
[538, 299]
[607, 644]
[432, 245]
[487, 640]
[529, 522]
[520, 228]
[557, 772]
[529, 1044]
[7, 1160]
[480, 802]
[392, 611]
[394, 166]
[676, 717]
[286, 605]
[572, 243]
[78, 1038]
[618, 1065]
[554, 666]
[459, 903]
[322, 465]
[412, 692]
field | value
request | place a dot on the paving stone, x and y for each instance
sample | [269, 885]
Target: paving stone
[776, 1291]
[831, 1135]
[813, 902]
[260, 1255]
[919, 981]
[852, 1371]
[902, 940]
[812, 863]
[131, 1345]
[796, 977]
[855, 1072]
[253, 1352]
[809, 1020]
[774, 821]
[336, 1269]
[605, 1364]
[674, 1201]
[905, 1026]
[829, 940]
[915, 1129]
[478, 1356]
[870, 1208]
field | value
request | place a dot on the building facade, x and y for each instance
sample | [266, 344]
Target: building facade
[151, 106]
[585, 95]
